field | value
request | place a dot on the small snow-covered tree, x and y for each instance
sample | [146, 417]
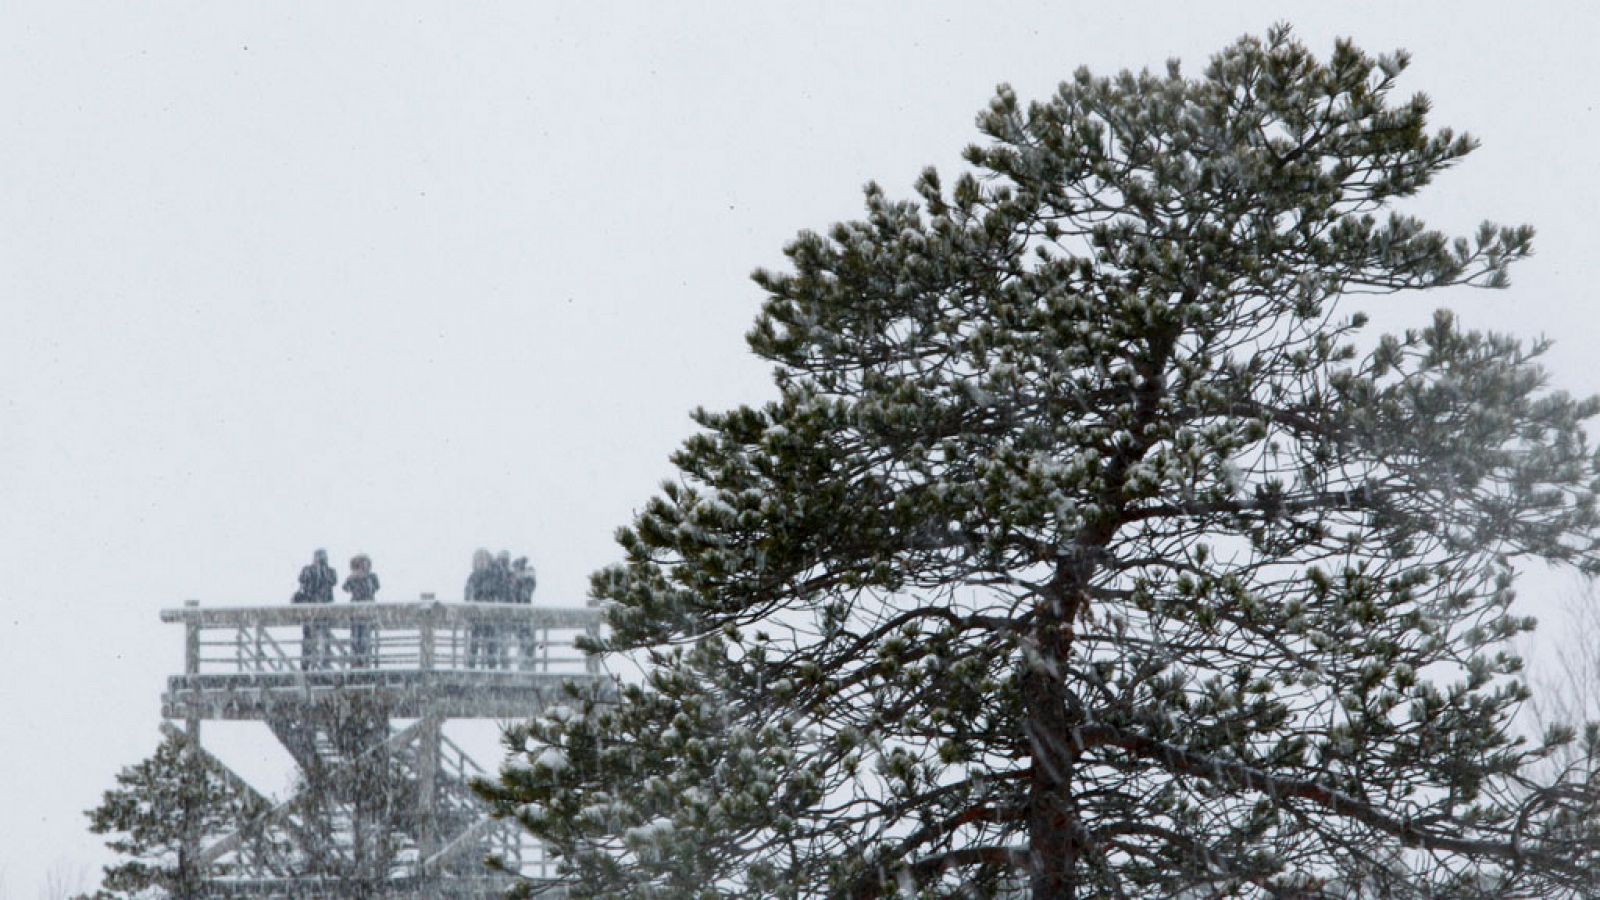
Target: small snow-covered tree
[1091, 547]
[355, 808]
[160, 811]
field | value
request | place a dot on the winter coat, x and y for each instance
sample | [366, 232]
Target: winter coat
[523, 584]
[316, 584]
[488, 586]
[362, 588]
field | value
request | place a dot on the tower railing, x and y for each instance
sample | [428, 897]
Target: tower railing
[348, 637]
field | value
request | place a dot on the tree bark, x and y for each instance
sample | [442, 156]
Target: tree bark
[1052, 821]
[1054, 831]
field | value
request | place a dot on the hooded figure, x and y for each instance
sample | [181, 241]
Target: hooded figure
[317, 580]
[483, 639]
[316, 586]
[479, 588]
[523, 582]
[362, 586]
[502, 576]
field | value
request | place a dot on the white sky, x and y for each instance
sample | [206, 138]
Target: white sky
[410, 278]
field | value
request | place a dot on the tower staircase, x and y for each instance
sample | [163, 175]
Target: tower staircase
[383, 805]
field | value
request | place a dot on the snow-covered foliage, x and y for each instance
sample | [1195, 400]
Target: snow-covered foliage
[1085, 552]
[158, 815]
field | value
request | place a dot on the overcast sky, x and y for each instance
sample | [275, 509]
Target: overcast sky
[413, 278]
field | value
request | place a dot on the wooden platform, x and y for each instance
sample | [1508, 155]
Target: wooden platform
[406, 694]
[455, 661]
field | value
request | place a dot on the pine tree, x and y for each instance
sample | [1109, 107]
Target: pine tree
[161, 810]
[363, 796]
[1092, 547]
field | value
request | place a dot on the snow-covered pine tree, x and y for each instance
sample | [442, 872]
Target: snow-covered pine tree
[366, 794]
[160, 811]
[1091, 548]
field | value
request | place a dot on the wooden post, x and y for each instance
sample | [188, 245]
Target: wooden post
[191, 644]
[425, 641]
[428, 740]
[191, 666]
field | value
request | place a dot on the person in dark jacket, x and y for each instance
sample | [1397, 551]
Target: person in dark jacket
[483, 639]
[480, 586]
[502, 575]
[503, 588]
[523, 582]
[362, 586]
[316, 586]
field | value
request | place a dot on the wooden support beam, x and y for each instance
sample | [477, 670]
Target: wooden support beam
[278, 815]
[428, 743]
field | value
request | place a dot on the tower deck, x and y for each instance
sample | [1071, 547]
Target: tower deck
[330, 682]
[482, 660]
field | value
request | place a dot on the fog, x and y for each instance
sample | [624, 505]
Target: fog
[409, 279]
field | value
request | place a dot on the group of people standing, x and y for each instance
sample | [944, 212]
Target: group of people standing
[500, 579]
[317, 581]
[494, 579]
[497, 579]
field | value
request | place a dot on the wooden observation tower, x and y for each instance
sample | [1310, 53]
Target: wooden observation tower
[384, 807]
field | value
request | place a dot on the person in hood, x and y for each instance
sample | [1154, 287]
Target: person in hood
[483, 586]
[316, 586]
[362, 586]
[523, 582]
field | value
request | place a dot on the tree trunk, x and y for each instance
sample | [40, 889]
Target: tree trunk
[1054, 831]
[1052, 820]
